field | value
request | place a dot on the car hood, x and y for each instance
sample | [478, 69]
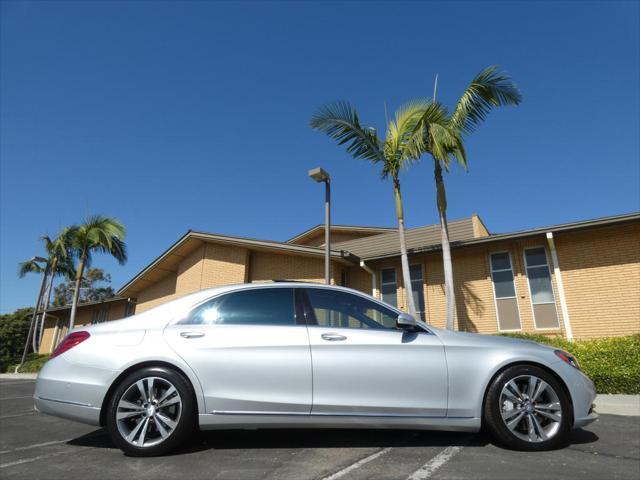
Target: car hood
[490, 341]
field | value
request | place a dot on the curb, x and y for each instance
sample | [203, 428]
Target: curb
[18, 376]
[618, 404]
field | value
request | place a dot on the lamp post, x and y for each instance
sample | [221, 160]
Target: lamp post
[320, 175]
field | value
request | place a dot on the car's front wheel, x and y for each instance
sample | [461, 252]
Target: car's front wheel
[151, 412]
[526, 408]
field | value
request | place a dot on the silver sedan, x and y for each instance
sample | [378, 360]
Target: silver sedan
[288, 355]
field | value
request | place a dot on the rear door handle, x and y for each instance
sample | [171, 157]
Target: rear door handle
[191, 334]
[333, 337]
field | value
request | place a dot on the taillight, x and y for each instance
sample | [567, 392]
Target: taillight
[69, 342]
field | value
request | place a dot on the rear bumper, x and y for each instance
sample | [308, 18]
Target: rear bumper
[67, 409]
[73, 391]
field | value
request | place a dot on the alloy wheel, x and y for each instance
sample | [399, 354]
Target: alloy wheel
[530, 408]
[148, 412]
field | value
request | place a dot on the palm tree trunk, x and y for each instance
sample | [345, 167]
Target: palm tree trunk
[404, 260]
[33, 320]
[47, 299]
[76, 292]
[446, 247]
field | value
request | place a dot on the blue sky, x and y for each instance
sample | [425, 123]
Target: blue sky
[178, 115]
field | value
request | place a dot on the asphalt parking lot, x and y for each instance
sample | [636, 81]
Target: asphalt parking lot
[33, 445]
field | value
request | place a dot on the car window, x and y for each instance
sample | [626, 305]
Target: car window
[262, 306]
[334, 308]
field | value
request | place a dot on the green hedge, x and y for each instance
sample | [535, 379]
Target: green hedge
[33, 363]
[612, 363]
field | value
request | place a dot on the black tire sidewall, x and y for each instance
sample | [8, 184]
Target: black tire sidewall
[186, 422]
[493, 416]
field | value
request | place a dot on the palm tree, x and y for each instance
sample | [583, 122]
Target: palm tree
[60, 261]
[96, 234]
[340, 121]
[442, 136]
[57, 262]
[33, 265]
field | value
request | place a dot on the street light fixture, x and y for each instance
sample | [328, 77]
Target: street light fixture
[320, 175]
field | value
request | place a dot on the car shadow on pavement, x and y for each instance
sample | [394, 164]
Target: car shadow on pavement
[322, 438]
[304, 438]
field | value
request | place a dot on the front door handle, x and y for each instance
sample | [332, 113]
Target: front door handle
[191, 334]
[333, 337]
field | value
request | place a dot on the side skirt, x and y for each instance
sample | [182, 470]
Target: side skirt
[251, 421]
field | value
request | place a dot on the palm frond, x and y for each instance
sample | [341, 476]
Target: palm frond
[419, 141]
[339, 120]
[66, 269]
[99, 233]
[29, 266]
[442, 142]
[490, 88]
[403, 126]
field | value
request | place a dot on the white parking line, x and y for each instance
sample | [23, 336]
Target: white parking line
[39, 457]
[358, 464]
[21, 414]
[429, 468]
[15, 398]
[35, 445]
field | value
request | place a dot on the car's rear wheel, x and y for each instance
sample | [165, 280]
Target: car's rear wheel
[526, 408]
[151, 412]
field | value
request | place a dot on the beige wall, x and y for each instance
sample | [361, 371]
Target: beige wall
[601, 276]
[84, 316]
[600, 269]
[267, 266]
[207, 266]
[160, 292]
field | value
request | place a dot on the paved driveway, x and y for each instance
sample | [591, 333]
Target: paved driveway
[38, 446]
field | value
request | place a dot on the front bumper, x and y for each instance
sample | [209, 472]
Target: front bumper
[591, 417]
[582, 392]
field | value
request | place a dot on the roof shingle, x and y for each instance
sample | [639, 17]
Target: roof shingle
[420, 237]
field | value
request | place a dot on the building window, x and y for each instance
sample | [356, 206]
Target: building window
[130, 309]
[417, 286]
[505, 292]
[389, 286]
[99, 315]
[540, 289]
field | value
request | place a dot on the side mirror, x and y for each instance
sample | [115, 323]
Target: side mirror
[406, 322]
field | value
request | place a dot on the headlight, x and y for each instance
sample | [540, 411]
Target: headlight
[568, 358]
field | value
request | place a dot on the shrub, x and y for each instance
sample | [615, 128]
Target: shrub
[13, 334]
[612, 363]
[32, 364]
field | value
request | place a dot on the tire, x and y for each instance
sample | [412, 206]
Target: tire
[537, 413]
[169, 412]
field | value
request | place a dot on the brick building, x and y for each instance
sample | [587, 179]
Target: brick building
[580, 279]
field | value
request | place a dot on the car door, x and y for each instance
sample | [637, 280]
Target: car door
[248, 351]
[364, 365]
